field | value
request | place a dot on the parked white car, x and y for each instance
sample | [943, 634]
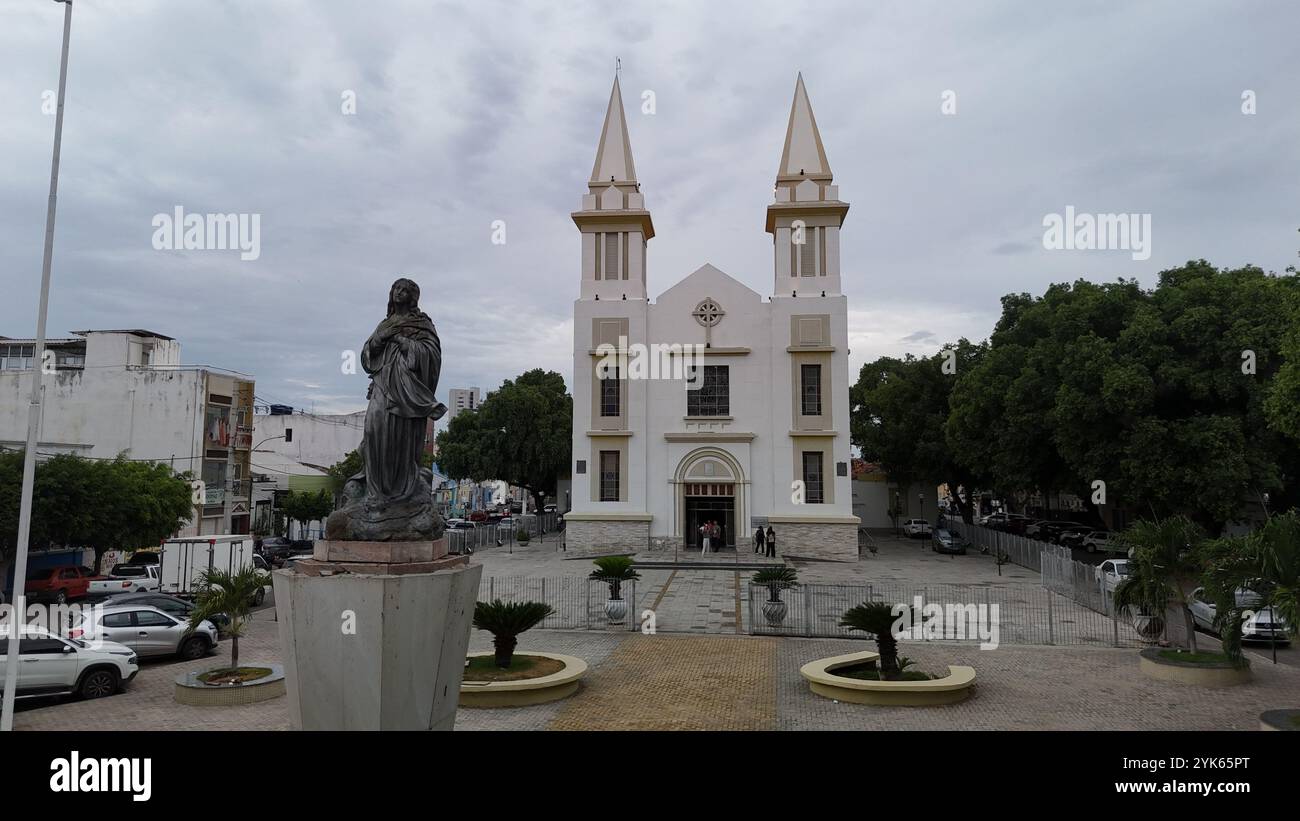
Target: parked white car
[1101, 541]
[50, 665]
[1259, 625]
[146, 630]
[1110, 573]
[916, 528]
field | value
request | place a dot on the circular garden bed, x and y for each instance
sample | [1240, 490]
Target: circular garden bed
[854, 678]
[227, 687]
[531, 678]
[1202, 668]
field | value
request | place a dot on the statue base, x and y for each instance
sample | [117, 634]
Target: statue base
[338, 550]
[371, 644]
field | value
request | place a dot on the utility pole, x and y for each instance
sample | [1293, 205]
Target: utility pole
[16, 617]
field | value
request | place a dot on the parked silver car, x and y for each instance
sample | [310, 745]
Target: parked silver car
[146, 630]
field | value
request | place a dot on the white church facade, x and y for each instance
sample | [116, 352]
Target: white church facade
[760, 435]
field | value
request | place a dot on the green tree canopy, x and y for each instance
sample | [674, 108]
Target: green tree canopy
[1159, 393]
[521, 434]
[899, 410]
[105, 505]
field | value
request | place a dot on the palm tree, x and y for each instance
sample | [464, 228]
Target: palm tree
[776, 579]
[614, 570]
[1279, 568]
[1165, 561]
[505, 621]
[1265, 562]
[220, 591]
[877, 618]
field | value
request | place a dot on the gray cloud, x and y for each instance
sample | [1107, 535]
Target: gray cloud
[470, 113]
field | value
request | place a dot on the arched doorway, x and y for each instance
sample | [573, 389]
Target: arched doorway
[710, 489]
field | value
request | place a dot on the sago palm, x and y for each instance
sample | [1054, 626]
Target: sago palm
[505, 621]
[220, 591]
[776, 579]
[1165, 561]
[876, 618]
[613, 571]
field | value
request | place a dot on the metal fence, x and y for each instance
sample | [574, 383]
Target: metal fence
[1019, 550]
[1022, 613]
[1060, 572]
[490, 534]
[578, 602]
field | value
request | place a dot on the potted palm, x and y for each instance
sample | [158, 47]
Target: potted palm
[877, 618]
[1164, 563]
[221, 592]
[613, 571]
[775, 579]
[505, 621]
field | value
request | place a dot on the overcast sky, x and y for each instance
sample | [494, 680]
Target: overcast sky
[470, 113]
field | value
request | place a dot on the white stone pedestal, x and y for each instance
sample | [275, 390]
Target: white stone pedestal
[377, 650]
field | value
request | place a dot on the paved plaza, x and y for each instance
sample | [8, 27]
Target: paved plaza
[701, 671]
[728, 682]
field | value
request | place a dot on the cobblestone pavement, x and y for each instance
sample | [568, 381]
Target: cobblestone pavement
[678, 681]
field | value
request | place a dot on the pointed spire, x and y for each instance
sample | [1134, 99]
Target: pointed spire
[614, 155]
[803, 155]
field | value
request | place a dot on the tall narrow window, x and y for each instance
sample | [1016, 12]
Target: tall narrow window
[808, 253]
[609, 475]
[712, 397]
[810, 377]
[609, 398]
[611, 256]
[812, 477]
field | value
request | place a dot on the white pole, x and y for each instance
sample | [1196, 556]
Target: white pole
[34, 408]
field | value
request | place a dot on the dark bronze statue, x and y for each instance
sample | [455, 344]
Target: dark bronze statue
[391, 499]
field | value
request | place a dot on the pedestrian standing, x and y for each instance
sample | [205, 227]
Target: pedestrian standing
[704, 538]
[760, 540]
[771, 542]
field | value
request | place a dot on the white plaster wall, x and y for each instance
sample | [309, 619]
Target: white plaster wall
[318, 439]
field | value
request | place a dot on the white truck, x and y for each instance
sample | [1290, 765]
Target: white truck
[181, 561]
[138, 578]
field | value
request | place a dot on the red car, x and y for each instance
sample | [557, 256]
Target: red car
[58, 584]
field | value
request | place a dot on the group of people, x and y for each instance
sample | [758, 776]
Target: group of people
[711, 535]
[710, 532]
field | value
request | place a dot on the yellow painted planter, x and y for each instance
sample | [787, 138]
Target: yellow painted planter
[950, 689]
[524, 692]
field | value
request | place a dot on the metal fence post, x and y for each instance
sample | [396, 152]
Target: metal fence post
[807, 611]
[588, 608]
[1051, 620]
[491, 587]
[749, 596]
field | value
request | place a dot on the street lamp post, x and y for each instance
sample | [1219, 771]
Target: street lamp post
[34, 408]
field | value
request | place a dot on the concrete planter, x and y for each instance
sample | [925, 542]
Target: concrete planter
[375, 650]
[1215, 674]
[1284, 720]
[950, 689]
[525, 691]
[189, 690]
[774, 613]
[616, 611]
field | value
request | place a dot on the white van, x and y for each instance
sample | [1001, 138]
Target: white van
[181, 561]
